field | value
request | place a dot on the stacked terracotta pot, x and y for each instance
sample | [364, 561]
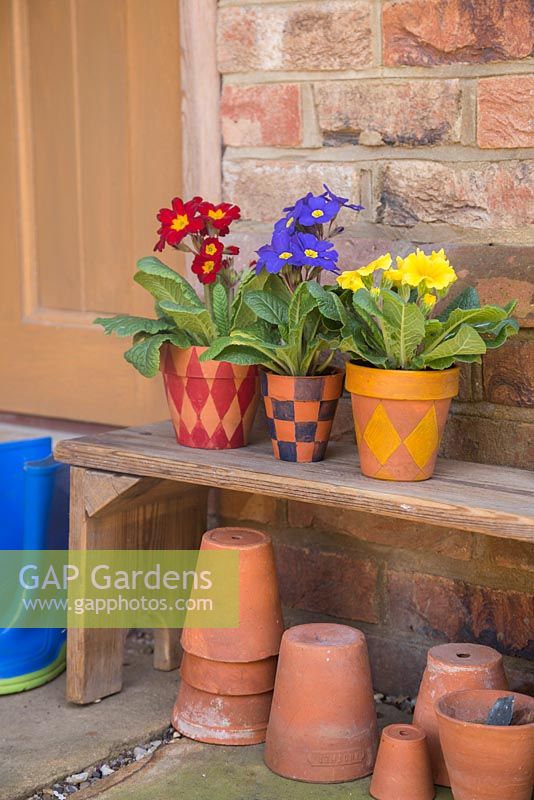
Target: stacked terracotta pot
[228, 674]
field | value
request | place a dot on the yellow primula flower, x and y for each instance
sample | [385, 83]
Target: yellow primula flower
[351, 280]
[383, 262]
[429, 300]
[394, 275]
[433, 270]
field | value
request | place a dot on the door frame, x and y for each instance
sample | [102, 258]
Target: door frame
[201, 88]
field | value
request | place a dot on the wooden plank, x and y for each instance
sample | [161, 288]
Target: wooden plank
[498, 501]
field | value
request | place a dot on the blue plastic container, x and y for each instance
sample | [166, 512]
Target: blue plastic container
[34, 515]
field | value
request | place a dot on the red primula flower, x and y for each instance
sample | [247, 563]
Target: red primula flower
[220, 216]
[211, 248]
[177, 222]
[206, 268]
[231, 250]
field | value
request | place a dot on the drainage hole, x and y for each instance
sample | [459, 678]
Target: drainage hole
[463, 655]
[404, 733]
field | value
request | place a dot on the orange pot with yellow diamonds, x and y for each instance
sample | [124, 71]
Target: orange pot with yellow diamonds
[399, 417]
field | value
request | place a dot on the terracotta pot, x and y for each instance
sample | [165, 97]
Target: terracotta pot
[300, 412]
[399, 417]
[260, 614]
[486, 762]
[323, 726]
[220, 719]
[212, 403]
[224, 677]
[451, 667]
[402, 768]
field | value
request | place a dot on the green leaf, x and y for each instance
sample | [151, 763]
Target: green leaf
[240, 348]
[164, 283]
[467, 299]
[487, 320]
[241, 315]
[465, 342]
[328, 303]
[302, 303]
[220, 309]
[195, 321]
[268, 307]
[145, 355]
[404, 326]
[126, 325]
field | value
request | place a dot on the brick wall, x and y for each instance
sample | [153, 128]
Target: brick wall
[422, 110]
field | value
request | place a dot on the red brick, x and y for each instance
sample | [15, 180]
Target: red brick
[393, 533]
[453, 610]
[472, 195]
[337, 584]
[246, 507]
[325, 34]
[509, 374]
[506, 111]
[510, 554]
[263, 188]
[471, 436]
[425, 32]
[262, 115]
[418, 112]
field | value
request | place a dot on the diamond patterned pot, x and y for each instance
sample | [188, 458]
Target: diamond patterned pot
[212, 403]
[399, 417]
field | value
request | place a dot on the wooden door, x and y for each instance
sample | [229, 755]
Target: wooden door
[89, 150]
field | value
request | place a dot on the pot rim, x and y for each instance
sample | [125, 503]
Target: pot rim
[479, 725]
[402, 384]
[335, 372]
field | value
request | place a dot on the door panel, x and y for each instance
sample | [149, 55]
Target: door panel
[90, 148]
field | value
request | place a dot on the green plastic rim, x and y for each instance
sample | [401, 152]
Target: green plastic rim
[33, 679]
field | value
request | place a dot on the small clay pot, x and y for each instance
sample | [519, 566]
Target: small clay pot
[399, 418]
[221, 719]
[224, 677]
[323, 726]
[212, 403]
[260, 614]
[300, 412]
[452, 667]
[487, 762]
[402, 770]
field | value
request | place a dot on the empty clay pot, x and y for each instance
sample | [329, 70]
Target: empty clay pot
[323, 726]
[260, 614]
[221, 719]
[402, 770]
[225, 677]
[452, 667]
[487, 762]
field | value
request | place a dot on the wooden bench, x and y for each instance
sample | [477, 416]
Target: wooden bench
[136, 488]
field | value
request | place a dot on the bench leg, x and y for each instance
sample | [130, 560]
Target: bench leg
[119, 512]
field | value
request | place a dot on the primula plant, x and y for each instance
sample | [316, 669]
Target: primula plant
[292, 335]
[182, 317]
[388, 316]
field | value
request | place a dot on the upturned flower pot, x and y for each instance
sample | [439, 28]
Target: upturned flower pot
[229, 678]
[450, 668]
[323, 726]
[260, 614]
[300, 412]
[402, 768]
[487, 762]
[399, 418]
[220, 719]
[212, 403]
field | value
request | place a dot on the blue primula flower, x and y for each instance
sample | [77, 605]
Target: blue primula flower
[317, 252]
[298, 206]
[317, 210]
[342, 201]
[284, 249]
[286, 224]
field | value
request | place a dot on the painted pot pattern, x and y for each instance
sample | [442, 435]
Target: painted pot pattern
[399, 418]
[212, 403]
[300, 412]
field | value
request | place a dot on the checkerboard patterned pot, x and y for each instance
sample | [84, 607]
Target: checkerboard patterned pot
[300, 412]
[400, 416]
[212, 403]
